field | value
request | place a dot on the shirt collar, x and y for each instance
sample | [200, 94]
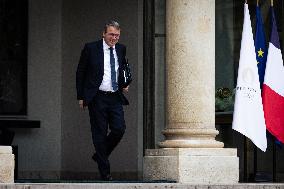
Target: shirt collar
[105, 46]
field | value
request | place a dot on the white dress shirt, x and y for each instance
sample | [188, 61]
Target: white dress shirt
[106, 83]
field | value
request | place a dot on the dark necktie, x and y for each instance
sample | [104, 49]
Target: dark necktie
[112, 67]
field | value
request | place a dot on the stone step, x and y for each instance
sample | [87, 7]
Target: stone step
[7, 164]
[138, 186]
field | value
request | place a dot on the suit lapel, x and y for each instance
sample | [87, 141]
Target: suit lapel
[101, 55]
[120, 59]
[118, 53]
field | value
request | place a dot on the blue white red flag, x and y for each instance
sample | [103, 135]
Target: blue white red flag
[273, 86]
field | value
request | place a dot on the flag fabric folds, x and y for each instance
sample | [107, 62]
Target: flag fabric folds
[248, 117]
[273, 86]
[260, 46]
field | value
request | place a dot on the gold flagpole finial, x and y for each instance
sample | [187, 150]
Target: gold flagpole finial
[257, 2]
[271, 3]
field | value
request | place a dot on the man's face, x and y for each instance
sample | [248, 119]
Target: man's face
[111, 36]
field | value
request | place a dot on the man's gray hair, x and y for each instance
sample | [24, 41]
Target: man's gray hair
[113, 24]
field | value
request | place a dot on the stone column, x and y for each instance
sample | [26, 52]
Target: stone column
[190, 152]
[190, 63]
[7, 164]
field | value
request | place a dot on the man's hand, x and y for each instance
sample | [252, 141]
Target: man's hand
[81, 104]
[125, 90]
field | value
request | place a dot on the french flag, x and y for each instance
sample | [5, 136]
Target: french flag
[273, 86]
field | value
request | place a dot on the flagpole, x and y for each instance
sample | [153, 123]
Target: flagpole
[271, 3]
[274, 159]
[254, 148]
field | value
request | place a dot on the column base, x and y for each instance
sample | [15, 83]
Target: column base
[190, 138]
[191, 144]
[7, 164]
[192, 165]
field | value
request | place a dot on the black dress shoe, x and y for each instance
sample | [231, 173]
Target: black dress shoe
[107, 178]
[94, 157]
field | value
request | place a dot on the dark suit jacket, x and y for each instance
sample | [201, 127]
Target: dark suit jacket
[90, 71]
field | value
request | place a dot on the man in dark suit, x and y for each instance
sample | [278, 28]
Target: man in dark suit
[99, 83]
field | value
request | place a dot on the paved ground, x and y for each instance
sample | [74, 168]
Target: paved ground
[136, 186]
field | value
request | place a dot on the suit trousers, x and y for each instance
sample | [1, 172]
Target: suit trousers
[107, 125]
